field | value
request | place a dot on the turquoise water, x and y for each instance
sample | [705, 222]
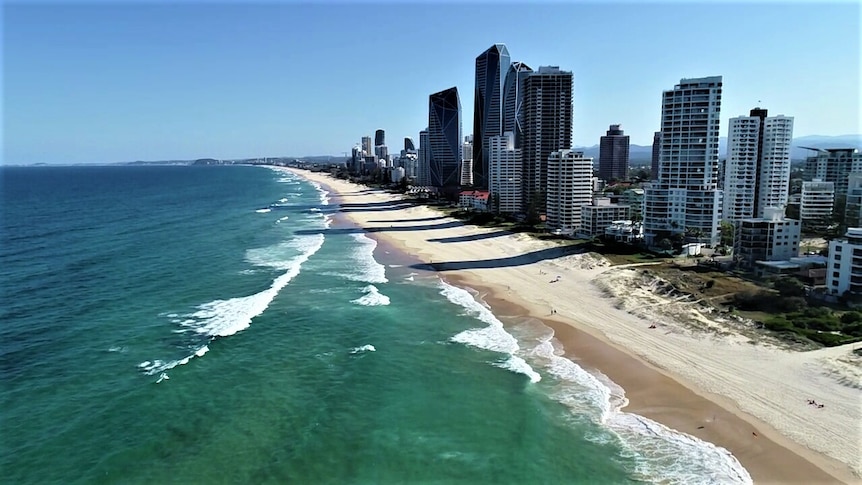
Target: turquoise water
[227, 325]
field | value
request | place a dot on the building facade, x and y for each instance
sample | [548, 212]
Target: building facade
[423, 169]
[506, 176]
[685, 198]
[491, 68]
[757, 170]
[547, 128]
[833, 165]
[367, 148]
[817, 202]
[599, 215]
[614, 155]
[844, 269]
[768, 238]
[853, 207]
[444, 138]
[513, 99]
[656, 150]
[408, 145]
[569, 189]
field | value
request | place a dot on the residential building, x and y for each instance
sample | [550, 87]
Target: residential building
[506, 174]
[634, 198]
[491, 68]
[444, 138]
[757, 170]
[382, 152]
[685, 198]
[624, 231]
[474, 199]
[816, 204]
[423, 172]
[547, 127]
[513, 99]
[467, 172]
[569, 189]
[853, 207]
[367, 148]
[396, 174]
[599, 215]
[833, 165]
[844, 269]
[614, 155]
[769, 238]
[656, 150]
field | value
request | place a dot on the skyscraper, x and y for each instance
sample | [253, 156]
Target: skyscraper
[423, 170]
[547, 110]
[491, 68]
[656, 149]
[408, 144]
[513, 117]
[505, 179]
[444, 138]
[379, 138]
[366, 146]
[570, 187]
[685, 198]
[833, 165]
[757, 170]
[614, 155]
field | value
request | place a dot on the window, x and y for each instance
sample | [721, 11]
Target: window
[835, 274]
[834, 282]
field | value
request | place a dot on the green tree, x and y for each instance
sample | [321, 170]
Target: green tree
[726, 229]
[788, 287]
[665, 244]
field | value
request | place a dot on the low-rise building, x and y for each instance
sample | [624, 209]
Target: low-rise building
[768, 238]
[624, 231]
[474, 199]
[844, 270]
[634, 198]
[599, 215]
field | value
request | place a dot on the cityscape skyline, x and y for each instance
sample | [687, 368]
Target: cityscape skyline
[212, 88]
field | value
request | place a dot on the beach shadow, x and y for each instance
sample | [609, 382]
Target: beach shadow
[471, 237]
[420, 219]
[511, 261]
[364, 205]
[359, 230]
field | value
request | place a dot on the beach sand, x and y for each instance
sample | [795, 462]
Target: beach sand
[746, 397]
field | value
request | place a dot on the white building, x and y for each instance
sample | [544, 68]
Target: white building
[600, 214]
[853, 207]
[624, 231]
[569, 189]
[505, 181]
[768, 238]
[467, 172]
[844, 270]
[474, 199]
[396, 174]
[833, 165]
[816, 202]
[757, 170]
[685, 194]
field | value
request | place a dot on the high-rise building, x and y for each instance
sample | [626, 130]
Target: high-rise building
[817, 202]
[853, 206]
[844, 272]
[513, 117]
[367, 149]
[757, 170]
[468, 147]
[505, 177]
[379, 138]
[382, 152]
[444, 138]
[686, 198]
[491, 68]
[423, 170]
[569, 189]
[656, 150]
[547, 128]
[408, 144]
[614, 155]
[833, 165]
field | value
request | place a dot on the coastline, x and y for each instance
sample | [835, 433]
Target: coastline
[510, 286]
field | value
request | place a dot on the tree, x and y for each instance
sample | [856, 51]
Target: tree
[726, 229]
[788, 287]
[665, 244]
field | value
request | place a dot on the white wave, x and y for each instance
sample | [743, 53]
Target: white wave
[395, 265]
[283, 200]
[222, 318]
[364, 348]
[368, 269]
[324, 194]
[163, 377]
[314, 209]
[263, 211]
[409, 278]
[281, 219]
[493, 337]
[117, 348]
[663, 455]
[327, 220]
[372, 297]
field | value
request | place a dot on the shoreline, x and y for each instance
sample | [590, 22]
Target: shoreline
[654, 392]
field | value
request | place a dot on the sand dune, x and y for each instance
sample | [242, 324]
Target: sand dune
[762, 387]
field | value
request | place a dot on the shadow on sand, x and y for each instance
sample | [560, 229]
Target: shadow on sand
[511, 261]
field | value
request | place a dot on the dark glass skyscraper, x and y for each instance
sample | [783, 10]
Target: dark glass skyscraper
[408, 144]
[614, 155]
[444, 138]
[656, 150]
[379, 138]
[513, 117]
[491, 68]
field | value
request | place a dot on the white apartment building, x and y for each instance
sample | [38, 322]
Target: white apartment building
[505, 178]
[844, 270]
[467, 171]
[768, 238]
[569, 189]
[833, 165]
[757, 170]
[816, 202]
[685, 194]
[599, 215]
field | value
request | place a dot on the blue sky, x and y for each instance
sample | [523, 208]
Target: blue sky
[111, 82]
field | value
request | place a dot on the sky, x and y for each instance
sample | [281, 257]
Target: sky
[113, 82]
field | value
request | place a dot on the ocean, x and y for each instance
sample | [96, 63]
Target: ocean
[193, 324]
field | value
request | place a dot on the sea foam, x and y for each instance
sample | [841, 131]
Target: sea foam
[493, 337]
[372, 297]
[367, 268]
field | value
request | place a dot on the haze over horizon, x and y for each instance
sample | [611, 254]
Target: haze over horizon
[115, 82]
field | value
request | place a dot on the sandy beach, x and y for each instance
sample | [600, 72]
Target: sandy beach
[748, 397]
